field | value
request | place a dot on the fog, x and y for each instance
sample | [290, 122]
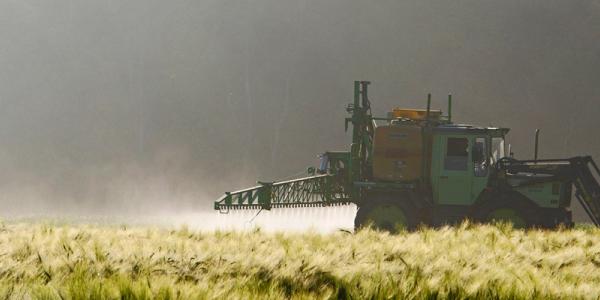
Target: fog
[146, 107]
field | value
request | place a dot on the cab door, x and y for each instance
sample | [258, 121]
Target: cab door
[480, 157]
[454, 170]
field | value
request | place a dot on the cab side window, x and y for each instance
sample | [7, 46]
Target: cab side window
[457, 154]
[480, 157]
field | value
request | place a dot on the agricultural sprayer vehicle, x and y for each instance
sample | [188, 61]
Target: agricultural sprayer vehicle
[415, 166]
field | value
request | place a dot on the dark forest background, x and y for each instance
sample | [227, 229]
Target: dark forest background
[136, 106]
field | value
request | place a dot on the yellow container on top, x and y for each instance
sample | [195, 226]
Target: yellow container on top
[416, 114]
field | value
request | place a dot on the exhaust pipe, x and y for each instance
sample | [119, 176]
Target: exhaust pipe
[537, 141]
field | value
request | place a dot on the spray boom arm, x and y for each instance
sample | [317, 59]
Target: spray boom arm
[318, 190]
[335, 186]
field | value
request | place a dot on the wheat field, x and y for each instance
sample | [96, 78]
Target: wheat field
[44, 260]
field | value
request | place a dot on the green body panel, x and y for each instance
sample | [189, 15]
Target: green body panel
[455, 187]
[544, 194]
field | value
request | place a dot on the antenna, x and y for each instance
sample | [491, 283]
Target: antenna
[537, 140]
[449, 108]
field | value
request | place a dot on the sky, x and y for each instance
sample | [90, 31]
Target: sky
[137, 106]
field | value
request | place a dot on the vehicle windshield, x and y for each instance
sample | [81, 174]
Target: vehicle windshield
[498, 148]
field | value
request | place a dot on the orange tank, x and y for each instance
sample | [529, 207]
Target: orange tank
[397, 152]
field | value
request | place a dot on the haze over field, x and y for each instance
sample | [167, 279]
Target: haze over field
[151, 106]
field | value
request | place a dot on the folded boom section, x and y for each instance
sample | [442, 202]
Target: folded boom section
[582, 171]
[588, 188]
[319, 190]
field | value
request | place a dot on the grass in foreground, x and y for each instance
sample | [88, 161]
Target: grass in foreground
[43, 261]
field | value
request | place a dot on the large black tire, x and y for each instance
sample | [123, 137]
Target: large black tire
[386, 214]
[510, 207]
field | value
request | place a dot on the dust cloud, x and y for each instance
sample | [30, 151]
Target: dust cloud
[142, 108]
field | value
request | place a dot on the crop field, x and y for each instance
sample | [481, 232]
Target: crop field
[42, 260]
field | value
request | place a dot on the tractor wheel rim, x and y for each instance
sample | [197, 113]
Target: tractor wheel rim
[507, 215]
[388, 217]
